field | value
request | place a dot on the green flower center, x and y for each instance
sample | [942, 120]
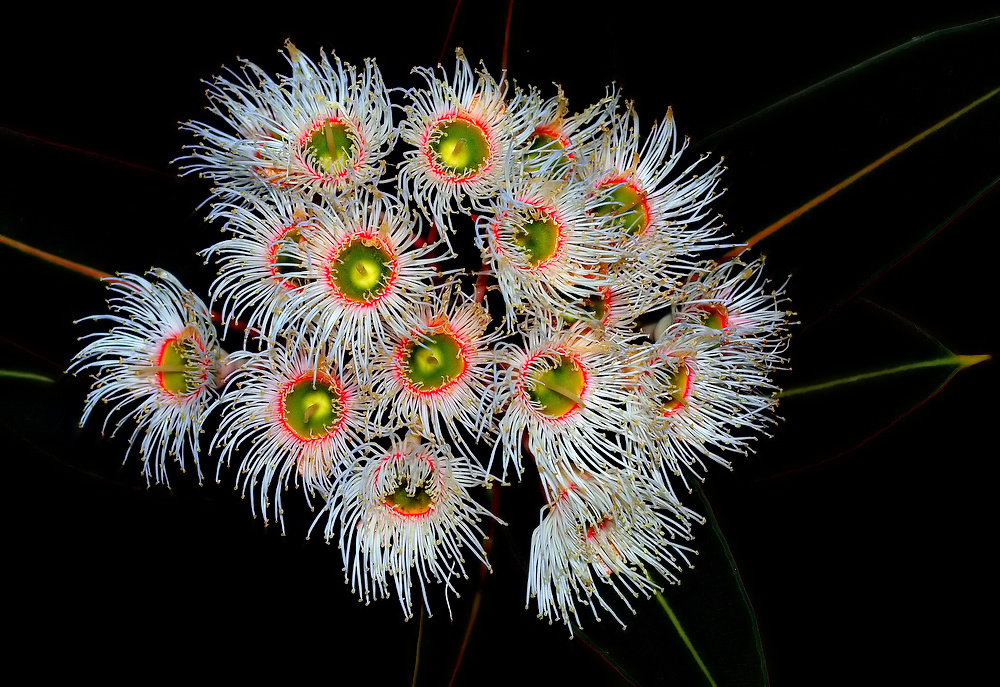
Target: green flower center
[286, 257]
[433, 363]
[362, 271]
[715, 315]
[402, 502]
[628, 207]
[331, 146]
[678, 389]
[558, 389]
[312, 409]
[460, 146]
[538, 238]
[597, 306]
[543, 145]
[177, 367]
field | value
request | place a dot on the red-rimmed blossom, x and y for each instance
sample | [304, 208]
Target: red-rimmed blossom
[158, 364]
[603, 530]
[406, 512]
[697, 398]
[366, 279]
[322, 130]
[736, 299]
[296, 418]
[560, 144]
[545, 248]
[661, 216]
[438, 378]
[463, 134]
[261, 265]
[568, 389]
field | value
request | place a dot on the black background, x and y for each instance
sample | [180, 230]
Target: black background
[862, 565]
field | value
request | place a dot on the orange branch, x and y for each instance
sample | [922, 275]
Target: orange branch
[761, 235]
[55, 259]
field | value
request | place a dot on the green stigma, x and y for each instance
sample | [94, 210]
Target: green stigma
[678, 389]
[401, 501]
[627, 206]
[460, 146]
[362, 270]
[539, 239]
[557, 390]
[312, 410]
[435, 362]
[594, 305]
[174, 364]
[332, 145]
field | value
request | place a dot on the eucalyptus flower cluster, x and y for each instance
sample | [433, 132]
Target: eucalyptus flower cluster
[598, 347]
